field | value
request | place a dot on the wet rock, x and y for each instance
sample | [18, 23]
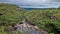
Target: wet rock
[1, 13]
[27, 28]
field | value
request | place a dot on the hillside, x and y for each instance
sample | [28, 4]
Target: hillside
[48, 20]
[10, 14]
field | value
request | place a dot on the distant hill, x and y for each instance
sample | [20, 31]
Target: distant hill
[38, 8]
[35, 8]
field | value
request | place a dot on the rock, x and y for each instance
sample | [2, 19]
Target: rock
[1, 13]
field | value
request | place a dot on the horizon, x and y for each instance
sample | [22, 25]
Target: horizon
[34, 3]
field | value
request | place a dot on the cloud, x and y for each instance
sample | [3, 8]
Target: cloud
[56, 0]
[34, 3]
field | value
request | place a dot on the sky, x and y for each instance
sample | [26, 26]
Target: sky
[34, 3]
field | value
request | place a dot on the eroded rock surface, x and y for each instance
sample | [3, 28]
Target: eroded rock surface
[29, 29]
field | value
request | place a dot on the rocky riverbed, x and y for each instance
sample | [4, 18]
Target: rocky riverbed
[29, 29]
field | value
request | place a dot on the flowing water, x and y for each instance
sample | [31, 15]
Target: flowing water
[28, 30]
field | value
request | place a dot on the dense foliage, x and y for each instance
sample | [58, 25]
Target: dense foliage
[48, 19]
[10, 15]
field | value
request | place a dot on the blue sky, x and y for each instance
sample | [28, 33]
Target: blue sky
[34, 3]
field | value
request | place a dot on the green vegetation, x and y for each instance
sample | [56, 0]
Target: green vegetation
[48, 20]
[10, 15]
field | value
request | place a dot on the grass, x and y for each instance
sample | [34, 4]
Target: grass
[9, 15]
[48, 20]
[45, 19]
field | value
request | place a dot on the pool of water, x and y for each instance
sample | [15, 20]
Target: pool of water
[29, 31]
